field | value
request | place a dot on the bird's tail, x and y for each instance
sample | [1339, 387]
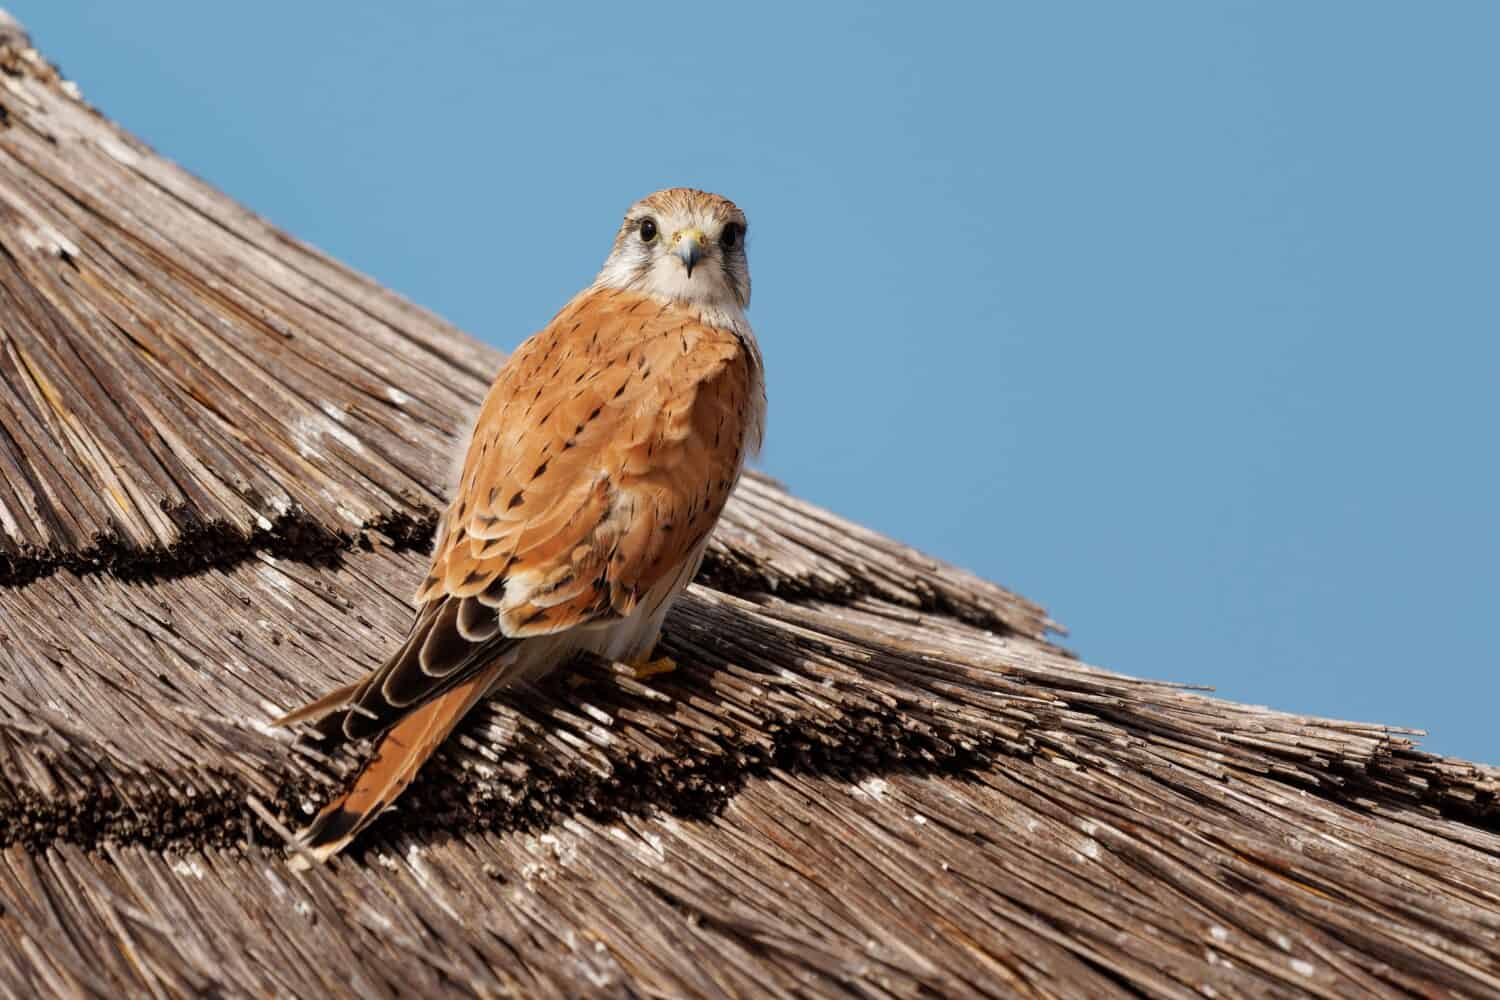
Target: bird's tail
[402, 751]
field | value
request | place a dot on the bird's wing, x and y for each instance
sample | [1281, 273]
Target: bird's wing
[602, 456]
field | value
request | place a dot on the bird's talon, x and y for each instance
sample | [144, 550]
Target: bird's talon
[642, 669]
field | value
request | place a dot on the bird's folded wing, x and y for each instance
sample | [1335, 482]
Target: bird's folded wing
[601, 458]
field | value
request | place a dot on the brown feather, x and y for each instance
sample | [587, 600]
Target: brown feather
[313, 711]
[601, 457]
[401, 753]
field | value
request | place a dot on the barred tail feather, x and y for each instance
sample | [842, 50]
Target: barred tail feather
[315, 711]
[399, 756]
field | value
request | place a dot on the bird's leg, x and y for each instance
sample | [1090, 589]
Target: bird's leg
[638, 669]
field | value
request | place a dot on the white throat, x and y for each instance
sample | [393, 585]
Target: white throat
[707, 295]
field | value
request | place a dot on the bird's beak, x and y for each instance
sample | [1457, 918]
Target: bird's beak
[688, 245]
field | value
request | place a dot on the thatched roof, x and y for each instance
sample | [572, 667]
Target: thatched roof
[221, 454]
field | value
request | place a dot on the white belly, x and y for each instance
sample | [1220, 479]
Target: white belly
[633, 637]
[628, 640]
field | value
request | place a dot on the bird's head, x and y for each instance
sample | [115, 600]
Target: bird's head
[686, 246]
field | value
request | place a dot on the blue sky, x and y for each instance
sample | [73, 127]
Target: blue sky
[1179, 317]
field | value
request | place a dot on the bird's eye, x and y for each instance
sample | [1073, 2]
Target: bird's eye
[730, 237]
[648, 230]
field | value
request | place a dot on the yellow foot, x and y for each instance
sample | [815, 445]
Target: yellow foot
[641, 669]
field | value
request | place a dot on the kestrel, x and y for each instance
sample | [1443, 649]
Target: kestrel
[599, 463]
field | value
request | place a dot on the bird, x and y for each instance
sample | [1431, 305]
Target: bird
[600, 461]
